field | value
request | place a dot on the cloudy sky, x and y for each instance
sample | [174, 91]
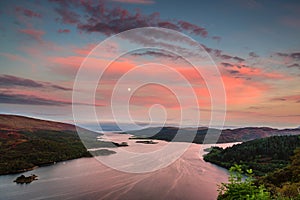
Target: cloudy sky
[255, 46]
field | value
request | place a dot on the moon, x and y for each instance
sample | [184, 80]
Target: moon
[129, 89]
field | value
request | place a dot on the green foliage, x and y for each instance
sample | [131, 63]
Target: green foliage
[240, 187]
[280, 184]
[284, 183]
[275, 162]
[262, 155]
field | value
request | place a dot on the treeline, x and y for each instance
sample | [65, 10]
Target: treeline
[260, 155]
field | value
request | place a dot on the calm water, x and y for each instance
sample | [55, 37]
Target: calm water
[187, 178]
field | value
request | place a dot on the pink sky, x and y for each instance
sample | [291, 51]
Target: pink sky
[45, 43]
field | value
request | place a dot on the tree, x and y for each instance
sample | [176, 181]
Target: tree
[240, 187]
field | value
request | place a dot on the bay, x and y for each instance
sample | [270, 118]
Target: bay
[189, 177]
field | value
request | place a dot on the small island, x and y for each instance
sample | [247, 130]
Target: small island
[26, 179]
[102, 152]
[146, 142]
[122, 144]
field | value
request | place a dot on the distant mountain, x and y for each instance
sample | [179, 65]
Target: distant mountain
[26, 143]
[227, 135]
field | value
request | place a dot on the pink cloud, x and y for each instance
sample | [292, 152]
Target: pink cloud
[197, 30]
[15, 57]
[27, 12]
[249, 72]
[243, 92]
[154, 94]
[238, 91]
[242, 88]
[33, 33]
[64, 31]
[84, 51]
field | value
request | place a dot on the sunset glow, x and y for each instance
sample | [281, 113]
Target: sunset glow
[43, 44]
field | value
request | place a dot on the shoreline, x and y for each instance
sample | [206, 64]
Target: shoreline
[42, 165]
[89, 156]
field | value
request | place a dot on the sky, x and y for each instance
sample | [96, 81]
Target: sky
[253, 45]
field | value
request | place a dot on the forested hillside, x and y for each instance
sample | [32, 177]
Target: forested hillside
[285, 181]
[27, 142]
[260, 155]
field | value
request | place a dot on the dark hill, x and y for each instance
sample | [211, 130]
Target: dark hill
[227, 135]
[262, 155]
[18, 123]
[26, 143]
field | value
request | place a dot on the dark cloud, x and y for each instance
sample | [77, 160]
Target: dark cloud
[28, 100]
[156, 54]
[292, 98]
[209, 50]
[238, 59]
[294, 56]
[60, 87]
[100, 18]
[67, 16]
[233, 71]
[227, 64]
[63, 31]
[278, 99]
[27, 12]
[135, 1]
[295, 65]
[218, 53]
[218, 38]
[239, 66]
[225, 57]
[8, 80]
[253, 55]
[192, 28]
[255, 107]
[22, 99]
[242, 66]
[169, 25]
[282, 54]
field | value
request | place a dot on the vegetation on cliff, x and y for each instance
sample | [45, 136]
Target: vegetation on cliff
[261, 155]
[26, 143]
[276, 168]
